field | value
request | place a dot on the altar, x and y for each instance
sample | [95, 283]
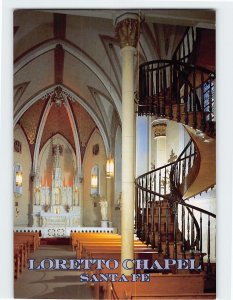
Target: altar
[48, 219]
[63, 232]
[56, 205]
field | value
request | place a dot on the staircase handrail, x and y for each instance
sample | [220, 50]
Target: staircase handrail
[153, 171]
[175, 62]
[178, 55]
[175, 190]
[206, 212]
[164, 84]
[176, 196]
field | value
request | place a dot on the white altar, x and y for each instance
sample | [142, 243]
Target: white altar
[59, 231]
[49, 219]
[58, 205]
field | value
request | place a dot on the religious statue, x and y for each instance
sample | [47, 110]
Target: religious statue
[104, 209]
[37, 196]
[76, 200]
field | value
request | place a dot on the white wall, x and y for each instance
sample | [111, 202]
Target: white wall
[91, 207]
[24, 159]
[161, 147]
[207, 201]
[142, 145]
[116, 213]
[118, 162]
[175, 138]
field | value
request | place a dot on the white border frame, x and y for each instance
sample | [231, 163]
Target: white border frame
[224, 12]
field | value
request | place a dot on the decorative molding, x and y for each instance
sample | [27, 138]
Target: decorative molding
[111, 46]
[43, 95]
[92, 114]
[95, 149]
[127, 32]
[73, 97]
[60, 147]
[97, 95]
[19, 90]
[173, 157]
[40, 132]
[159, 129]
[17, 146]
[67, 230]
[83, 149]
[75, 132]
[57, 96]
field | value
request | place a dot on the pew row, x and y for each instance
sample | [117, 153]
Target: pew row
[31, 237]
[138, 254]
[24, 243]
[78, 237]
[160, 285]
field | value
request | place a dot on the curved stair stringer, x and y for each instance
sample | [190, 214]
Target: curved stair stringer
[173, 227]
[206, 176]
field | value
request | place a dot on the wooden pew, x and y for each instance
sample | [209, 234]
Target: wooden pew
[31, 237]
[17, 264]
[138, 254]
[175, 297]
[108, 246]
[24, 242]
[105, 248]
[77, 238]
[21, 255]
[90, 246]
[18, 261]
[160, 284]
[81, 243]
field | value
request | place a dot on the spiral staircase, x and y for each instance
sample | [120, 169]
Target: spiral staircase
[181, 91]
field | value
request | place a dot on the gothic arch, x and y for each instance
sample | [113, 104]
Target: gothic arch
[76, 52]
[74, 97]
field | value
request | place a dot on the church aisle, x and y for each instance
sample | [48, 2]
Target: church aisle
[48, 284]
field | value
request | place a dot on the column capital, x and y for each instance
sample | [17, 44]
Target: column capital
[159, 129]
[127, 32]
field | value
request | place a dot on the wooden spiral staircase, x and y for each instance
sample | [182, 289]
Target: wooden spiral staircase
[181, 91]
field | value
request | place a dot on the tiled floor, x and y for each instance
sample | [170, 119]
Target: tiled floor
[50, 284]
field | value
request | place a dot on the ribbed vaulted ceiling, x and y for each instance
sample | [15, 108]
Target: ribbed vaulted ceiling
[78, 51]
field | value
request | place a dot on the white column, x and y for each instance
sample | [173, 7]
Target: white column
[127, 32]
[128, 153]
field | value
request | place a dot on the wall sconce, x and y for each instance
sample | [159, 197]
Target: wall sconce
[18, 178]
[94, 181]
[109, 168]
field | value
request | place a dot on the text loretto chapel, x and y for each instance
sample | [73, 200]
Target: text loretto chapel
[114, 154]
